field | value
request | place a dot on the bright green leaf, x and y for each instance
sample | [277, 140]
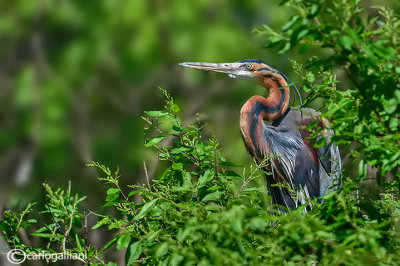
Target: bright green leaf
[206, 177]
[213, 196]
[145, 209]
[320, 142]
[390, 105]
[156, 113]
[177, 166]
[150, 142]
[346, 42]
[123, 241]
[133, 253]
[161, 250]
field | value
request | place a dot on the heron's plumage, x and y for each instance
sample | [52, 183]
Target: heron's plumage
[304, 170]
[309, 171]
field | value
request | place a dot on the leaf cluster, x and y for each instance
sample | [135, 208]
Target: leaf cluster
[361, 45]
[200, 212]
[205, 210]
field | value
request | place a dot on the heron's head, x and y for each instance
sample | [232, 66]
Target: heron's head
[253, 69]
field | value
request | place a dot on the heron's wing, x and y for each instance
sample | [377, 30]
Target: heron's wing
[293, 161]
[310, 171]
[327, 158]
[330, 165]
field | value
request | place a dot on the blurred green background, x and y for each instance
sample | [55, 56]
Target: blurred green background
[76, 76]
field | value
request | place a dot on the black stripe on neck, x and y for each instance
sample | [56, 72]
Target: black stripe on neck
[259, 106]
[256, 110]
[279, 119]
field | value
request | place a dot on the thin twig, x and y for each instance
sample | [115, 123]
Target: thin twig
[66, 234]
[146, 173]
[53, 233]
[69, 187]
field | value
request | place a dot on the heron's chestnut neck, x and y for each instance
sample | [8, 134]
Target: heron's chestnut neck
[277, 101]
[259, 108]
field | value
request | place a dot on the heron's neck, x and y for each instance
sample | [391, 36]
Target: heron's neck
[277, 102]
[259, 108]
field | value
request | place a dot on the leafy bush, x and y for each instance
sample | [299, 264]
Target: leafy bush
[200, 211]
[362, 45]
[204, 209]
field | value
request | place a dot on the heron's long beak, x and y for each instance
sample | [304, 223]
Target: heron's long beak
[233, 69]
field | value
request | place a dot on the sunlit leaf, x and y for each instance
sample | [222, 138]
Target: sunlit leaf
[145, 209]
[133, 252]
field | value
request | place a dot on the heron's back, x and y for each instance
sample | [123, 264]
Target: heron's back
[308, 170]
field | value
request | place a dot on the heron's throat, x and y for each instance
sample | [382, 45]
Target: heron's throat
[257, 109]
[270, 108]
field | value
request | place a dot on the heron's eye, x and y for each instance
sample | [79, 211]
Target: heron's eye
[249, 66]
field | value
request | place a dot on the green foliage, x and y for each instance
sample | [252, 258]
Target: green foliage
[364, 50]
[205, 210]
[60, 226]
[14, 222]
[200, 212]
[64, 98]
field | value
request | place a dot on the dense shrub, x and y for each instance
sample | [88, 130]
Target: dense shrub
[361, 44]
[203, 209]
[200, 211]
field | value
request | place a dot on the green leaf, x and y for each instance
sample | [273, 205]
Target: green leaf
[31, 221]
[397, 93]
[161, 250]
[320, 143]
[283, 2]
[302, 34]
[134, 192]
[284, 48]
[206, 177]
[177, 129]
[346, 42]
[390, 105]
[145, 209]
[310, 77]
[112, 194]
[290, 23]
[179, 150]
[314, 9]
[151, 142]
[234, 175]
[213, 196]
[362, 169]
[175, 108]
[44, 235]
[176, 259]
[4, 226]
[112, 191]
[78, 242]
[312, 125]
[252, 189]
[108, 245]
[177, 166]
[133, 253]
[123, 241]
[81, 199]
[258, 223]
[103, 221]
[156, 113]
[393, 123]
